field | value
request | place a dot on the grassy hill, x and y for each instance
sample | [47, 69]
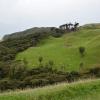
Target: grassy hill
[82, 90]
[64, 51]
[92, 26]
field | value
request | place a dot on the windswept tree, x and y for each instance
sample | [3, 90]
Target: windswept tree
[76, 26]
[67, 27]
[70, 25]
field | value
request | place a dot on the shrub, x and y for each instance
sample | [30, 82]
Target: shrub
[6, 84]
[17, 70]
[72, 76]
[40, 59]
[95, 72]
[57, 32]
[82, 51]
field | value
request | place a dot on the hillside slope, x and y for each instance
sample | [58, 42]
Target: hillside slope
[83, 90]
[27, 32]
[91, 26]
[64, 51]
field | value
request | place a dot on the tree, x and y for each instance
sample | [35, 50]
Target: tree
[69, 26]
[40, 60]
[82, 51]
[75, 26]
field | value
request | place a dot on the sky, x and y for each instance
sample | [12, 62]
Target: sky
[18, 15]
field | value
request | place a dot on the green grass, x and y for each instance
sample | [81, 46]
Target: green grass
[64, 50]
[82, 90]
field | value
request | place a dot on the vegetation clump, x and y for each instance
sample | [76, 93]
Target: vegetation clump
[16, 75]
[82, 51]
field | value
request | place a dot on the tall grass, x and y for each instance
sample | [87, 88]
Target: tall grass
[82, 90]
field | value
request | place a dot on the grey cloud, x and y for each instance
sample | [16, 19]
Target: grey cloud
[16, 15]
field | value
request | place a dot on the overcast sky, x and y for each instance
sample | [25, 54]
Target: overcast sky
[17, 15]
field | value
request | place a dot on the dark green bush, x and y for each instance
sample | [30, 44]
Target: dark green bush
[95, 71]
[82, 51]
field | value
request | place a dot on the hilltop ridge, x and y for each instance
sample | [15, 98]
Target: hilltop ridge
[27, 32]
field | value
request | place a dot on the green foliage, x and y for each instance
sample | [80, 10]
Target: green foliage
[4, 69]
[17, 70]
[95, 71]
[28, 32]
[40, 60]
[83, 90]
[10, 47]
[81, 51]
[15, 75]
[57, 32]
[51, 63]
